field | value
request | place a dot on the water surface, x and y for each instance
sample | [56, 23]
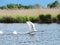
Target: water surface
[50, 36]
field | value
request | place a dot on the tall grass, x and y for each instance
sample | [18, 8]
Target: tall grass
[36, 19]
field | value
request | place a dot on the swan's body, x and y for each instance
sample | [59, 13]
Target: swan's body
[1, 32]
[31, 26]
[14, 32]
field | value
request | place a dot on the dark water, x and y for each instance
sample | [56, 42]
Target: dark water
[50, 36]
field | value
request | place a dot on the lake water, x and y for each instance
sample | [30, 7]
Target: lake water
[50, 36]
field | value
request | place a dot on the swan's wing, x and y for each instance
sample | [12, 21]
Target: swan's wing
[33, 27]
[30, 24]
[31, 32]
[35, 31]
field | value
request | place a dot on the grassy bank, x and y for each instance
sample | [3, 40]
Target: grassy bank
[48, 18]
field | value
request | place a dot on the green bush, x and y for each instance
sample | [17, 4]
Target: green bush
[42, 18]
[45, 18]
[48, 18]
[54, 20]
[58, 18]
[32, 19]
[8, 20]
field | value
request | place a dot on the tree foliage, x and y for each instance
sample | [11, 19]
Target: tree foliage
[19, 6]
[54, 4]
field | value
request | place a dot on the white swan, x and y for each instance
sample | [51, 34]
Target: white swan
[14, 32]
[31, 26]
[1, 32]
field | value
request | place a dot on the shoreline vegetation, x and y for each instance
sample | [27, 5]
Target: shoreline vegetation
[42, 15]
[48, 18]
[18, 13]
